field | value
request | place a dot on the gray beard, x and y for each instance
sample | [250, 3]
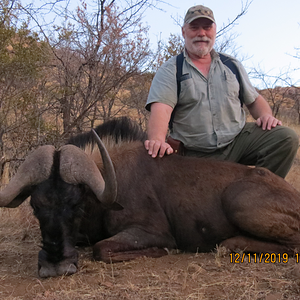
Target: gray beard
[203, 52]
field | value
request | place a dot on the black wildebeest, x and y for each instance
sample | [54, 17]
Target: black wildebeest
[127, 204]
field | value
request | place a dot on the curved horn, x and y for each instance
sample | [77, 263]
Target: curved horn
[76, 167]
[35, 169]
[109, 173]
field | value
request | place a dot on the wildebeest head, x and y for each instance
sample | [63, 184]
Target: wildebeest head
[55, 180]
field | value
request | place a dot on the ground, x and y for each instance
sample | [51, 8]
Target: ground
[208, 276]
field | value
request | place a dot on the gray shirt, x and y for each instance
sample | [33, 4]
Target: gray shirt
[208, 113]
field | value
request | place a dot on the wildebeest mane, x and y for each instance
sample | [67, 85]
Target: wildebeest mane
[118, 130]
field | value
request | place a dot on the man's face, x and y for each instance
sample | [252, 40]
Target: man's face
[199, 36]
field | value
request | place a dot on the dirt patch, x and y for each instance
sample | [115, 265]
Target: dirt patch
[175, 276]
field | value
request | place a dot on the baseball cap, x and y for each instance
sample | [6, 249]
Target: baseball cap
[199, 11]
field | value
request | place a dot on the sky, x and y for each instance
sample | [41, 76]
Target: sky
[267, 35]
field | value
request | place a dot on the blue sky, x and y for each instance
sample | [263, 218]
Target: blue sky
[268, 33]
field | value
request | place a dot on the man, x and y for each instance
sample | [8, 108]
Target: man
[209, 120]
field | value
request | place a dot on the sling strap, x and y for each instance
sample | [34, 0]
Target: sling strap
[227, 61]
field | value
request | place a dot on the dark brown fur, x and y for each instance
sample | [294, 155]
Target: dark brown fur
[195, 204]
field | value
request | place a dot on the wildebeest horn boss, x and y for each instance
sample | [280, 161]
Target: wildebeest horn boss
[127, 204]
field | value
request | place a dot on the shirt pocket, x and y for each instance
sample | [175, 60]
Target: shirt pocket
[187, 91]
[231, 84]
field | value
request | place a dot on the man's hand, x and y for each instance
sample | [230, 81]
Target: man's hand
[260, 110]
[155, 147]
[268, 122]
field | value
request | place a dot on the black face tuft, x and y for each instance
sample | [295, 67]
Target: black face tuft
[59, 208]
[59, 211]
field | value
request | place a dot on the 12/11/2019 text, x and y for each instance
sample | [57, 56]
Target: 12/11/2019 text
[267, 258]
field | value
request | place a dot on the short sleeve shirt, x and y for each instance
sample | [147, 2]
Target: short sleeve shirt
[208, 113]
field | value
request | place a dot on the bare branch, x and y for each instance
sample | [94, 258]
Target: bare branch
[231, 23]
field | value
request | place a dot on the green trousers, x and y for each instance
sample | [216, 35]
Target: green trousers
[273, 149]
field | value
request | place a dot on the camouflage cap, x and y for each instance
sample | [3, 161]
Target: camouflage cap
[197, 12]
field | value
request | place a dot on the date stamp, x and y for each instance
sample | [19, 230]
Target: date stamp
[261, 258]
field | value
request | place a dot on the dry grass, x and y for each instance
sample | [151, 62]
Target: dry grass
[176, 276]
[207, 276]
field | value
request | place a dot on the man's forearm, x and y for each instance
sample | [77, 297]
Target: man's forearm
[159, 121]
[157, 130]
[259, 108]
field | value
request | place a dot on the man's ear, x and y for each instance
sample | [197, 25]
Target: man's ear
[183, 31]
